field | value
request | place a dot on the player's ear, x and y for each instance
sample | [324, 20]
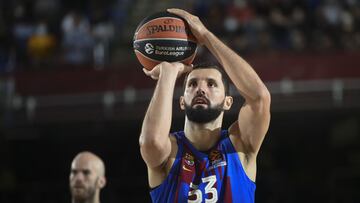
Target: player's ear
[228, 102]
[182, 103]
[102, 181]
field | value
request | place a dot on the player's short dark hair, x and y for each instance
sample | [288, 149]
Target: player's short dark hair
[206, 65]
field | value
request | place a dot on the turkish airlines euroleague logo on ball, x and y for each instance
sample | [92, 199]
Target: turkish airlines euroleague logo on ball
[149, 48]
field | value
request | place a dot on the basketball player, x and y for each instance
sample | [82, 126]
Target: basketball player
[87, 178]
[204, 163]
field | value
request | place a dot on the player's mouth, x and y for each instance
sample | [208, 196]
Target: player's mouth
[200, 100]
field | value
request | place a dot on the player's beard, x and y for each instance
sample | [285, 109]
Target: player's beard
[83, 194]
[200, 114]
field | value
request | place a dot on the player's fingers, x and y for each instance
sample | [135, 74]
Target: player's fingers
[188, 68]
[182, 67]
[179, 65]
[147, 72]
[179, 12]
[151, 73]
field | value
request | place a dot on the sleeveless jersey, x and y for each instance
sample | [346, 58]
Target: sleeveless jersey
[213, 176]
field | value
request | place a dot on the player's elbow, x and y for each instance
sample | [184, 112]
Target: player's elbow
[265, 96]
[152, 151]
[262, 100]
[147, 141]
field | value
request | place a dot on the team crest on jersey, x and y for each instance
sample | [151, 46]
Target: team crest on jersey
[189, 159]
[216, 159]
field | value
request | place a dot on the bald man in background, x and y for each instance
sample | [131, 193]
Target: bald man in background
[87, 178]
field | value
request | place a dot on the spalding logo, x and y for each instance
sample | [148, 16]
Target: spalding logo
[165, 28]
[149, 48]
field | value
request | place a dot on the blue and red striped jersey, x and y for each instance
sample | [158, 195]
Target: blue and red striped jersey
[213, 176]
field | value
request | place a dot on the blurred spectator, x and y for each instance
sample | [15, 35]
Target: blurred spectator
[298, 28]
[245, 29]
[77, 39]
[120, 12]
[41, 44]
[23, 27]
[103, 31]
[331, 13]
[280, 24]
[214, 17]
[5, 47]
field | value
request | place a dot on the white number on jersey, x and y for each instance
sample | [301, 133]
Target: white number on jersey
[210, 180]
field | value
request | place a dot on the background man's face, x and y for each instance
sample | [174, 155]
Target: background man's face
[83, 180]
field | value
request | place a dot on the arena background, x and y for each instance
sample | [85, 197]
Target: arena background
[69, 81]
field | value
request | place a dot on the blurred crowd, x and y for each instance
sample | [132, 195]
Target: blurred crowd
[294, 25]
[38, 33]
[48, 32]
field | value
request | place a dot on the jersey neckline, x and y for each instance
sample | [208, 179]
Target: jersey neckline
[203, 154]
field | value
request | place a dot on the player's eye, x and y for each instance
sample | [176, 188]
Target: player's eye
[211, 83]
[192, 84]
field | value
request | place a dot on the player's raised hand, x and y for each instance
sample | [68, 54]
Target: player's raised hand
[166, 67]
[197, 27]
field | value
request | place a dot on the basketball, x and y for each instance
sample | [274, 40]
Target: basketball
[164, 37]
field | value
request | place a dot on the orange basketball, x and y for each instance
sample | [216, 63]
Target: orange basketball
[164, 37]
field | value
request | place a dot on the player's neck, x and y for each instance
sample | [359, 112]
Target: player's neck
[203, 136]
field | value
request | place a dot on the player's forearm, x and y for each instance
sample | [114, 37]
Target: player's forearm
[157, 121]
[240, 72]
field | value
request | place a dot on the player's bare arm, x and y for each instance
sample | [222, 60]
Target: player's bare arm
[254, 117]
[155, 143]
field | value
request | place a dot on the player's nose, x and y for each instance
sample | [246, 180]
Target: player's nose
[201, 88]
[200, 91]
